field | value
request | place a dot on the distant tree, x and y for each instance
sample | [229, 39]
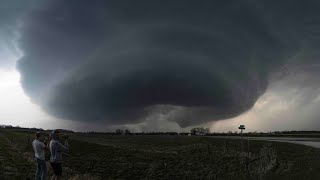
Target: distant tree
[119, 131]
[200, 131]
[193, 131]
[127, 132]
[206, 131]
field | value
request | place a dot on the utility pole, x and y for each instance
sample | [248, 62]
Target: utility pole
[242, 127]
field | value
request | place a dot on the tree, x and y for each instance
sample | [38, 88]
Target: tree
[119, 131]
[200, 131]
[127, 132]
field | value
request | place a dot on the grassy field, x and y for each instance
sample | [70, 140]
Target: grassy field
[99, 156]
[12, 162]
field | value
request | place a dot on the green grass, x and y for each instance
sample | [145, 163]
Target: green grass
[292, 161]
[174, 161]
[168, 157]
[13, 164]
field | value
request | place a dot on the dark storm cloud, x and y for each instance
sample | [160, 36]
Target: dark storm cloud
[10, 13]
[119, 62]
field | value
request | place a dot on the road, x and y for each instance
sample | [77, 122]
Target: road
[313, 142]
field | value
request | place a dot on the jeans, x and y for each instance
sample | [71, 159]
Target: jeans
[41, 169]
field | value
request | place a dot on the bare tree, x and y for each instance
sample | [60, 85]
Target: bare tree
[119, 131]
[200, 131]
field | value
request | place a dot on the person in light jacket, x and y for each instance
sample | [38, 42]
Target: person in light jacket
[56, 150]
[39, 155]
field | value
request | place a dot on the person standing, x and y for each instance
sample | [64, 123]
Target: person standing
[56, 150]
[39, 154]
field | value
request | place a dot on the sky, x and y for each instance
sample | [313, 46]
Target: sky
[160, 65]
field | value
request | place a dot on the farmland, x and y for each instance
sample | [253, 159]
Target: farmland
[100, 156]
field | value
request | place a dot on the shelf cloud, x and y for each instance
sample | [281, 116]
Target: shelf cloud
[122, 62]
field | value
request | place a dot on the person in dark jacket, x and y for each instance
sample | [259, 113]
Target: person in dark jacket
[56, 150]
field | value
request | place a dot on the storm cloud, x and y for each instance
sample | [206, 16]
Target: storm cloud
[120, 62]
